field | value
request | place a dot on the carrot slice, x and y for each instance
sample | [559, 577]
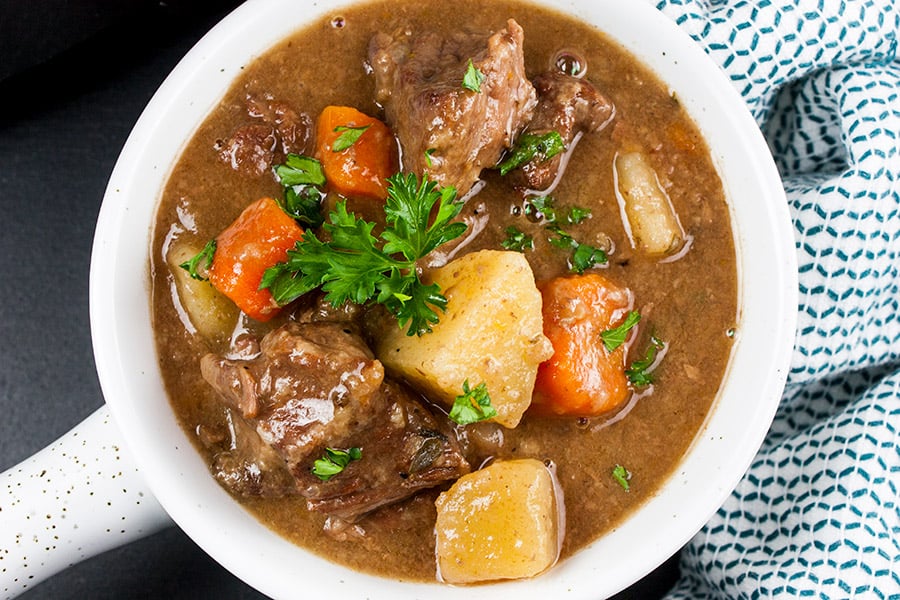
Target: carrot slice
[258, 239]
[582, 378]
[356, 167]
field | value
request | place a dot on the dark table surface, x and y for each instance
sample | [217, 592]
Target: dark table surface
[74, 77]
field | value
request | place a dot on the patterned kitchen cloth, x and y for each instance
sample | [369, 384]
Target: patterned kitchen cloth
[817, 515]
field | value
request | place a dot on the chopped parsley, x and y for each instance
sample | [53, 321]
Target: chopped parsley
[300, 170]
[517, 240]
[640, 372]
[615, 337]
[622, 475]
[584, 256]
[349, 136]
[303, 179]
[304, 204]
[473, 405]
[473, 78]
[354, 265]
[334, 461]
[530, 146]
[200, 264]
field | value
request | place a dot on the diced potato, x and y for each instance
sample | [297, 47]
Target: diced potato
[502, 522]
[492, 332]
[211, 313]
[650, 217]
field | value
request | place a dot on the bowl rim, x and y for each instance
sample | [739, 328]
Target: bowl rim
[712, 467]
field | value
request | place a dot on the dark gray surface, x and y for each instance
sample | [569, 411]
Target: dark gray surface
[65, 112]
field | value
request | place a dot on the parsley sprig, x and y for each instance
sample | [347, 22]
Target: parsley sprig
[303, 179]
[199, 265]
[348, 136]
[584, 256]
[616, 336]
[517, 240]
[334, 461]
[640, 372]
[531, 146]
[473, 78]
[622, 476]
[473, 405]
[350, 265]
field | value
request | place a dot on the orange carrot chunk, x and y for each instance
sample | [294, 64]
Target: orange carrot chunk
[582, 378]
[258, 239]
[358, 152]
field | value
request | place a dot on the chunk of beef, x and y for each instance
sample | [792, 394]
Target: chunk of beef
[315, 386]
[403, 451]
[275, 129]
[311, 385]
[444, 129]
[570, 106]
[247, 465]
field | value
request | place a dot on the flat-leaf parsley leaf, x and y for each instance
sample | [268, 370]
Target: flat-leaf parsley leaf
[615, 337]
[334, 461]
[473, 78]
[473, 405]
[351, 266]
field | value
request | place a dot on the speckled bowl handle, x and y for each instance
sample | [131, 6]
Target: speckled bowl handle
[78, 497]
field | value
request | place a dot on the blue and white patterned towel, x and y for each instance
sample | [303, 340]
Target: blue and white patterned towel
[818, 513]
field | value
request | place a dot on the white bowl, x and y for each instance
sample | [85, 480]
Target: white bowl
[176, 474]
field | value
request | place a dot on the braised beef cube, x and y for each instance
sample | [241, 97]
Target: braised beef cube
[248, 466]
[273, 130]
[315, 386]
[312, 384]
[445, 129]
[570, 106]
[402, 451]
[250, 150]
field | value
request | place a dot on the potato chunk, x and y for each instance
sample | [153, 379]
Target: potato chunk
[492, 332]
[502, 522]
[649, 215]
[210, 313]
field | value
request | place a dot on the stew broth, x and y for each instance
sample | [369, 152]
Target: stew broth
[689, 301]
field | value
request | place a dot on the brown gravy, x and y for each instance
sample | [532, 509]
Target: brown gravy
[691, 302]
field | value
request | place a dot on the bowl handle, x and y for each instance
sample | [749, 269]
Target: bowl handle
[76, 498]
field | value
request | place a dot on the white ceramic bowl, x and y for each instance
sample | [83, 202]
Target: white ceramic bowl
[179, 479]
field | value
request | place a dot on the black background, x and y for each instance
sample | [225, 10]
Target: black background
[74, 77]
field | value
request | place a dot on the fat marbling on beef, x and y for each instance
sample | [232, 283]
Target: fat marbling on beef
[444, 129]
[315, 386]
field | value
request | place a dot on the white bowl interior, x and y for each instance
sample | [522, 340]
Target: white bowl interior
[127, 361]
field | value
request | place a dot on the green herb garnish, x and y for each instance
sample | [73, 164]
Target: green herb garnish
[351, 266]
[621, 475]
[300, 170]
[202, 260]
[640, 371]
[473, 78]
[577, 214]
[304, 204]
[334, 461]
[473, 405]
[531, 146]
[517, 240]
[615, 337]
[349, 136]
[584, 256]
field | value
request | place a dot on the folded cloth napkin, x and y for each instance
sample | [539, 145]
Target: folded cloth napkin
[818, 512]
